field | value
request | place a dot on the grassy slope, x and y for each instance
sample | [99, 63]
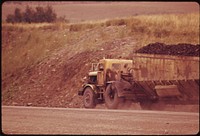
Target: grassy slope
[43, 63]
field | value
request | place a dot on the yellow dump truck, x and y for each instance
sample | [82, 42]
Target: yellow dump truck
[146, 79]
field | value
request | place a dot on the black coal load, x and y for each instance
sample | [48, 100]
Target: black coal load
[181, 49]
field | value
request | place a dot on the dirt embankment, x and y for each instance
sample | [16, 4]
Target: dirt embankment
[54, 82]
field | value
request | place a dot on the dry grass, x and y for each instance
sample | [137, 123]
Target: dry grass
[24, 45]
[170, 29]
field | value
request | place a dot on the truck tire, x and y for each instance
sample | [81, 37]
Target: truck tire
[89, 98]
[112, 100]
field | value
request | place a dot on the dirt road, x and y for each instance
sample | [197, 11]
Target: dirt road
[36, 120]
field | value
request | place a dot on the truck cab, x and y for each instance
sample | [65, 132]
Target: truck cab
[108, 70]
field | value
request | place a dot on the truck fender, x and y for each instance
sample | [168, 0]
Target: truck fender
[93, 87]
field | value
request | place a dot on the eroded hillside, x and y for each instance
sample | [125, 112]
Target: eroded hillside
[54, 80]
[44, 64]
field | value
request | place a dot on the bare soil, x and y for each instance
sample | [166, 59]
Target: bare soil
[42, 120]
[55, 81]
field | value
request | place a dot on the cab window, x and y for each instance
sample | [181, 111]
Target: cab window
[101, 67]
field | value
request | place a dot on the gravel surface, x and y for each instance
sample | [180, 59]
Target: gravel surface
[39, 120]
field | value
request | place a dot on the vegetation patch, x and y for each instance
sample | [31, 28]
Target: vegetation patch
[40, 14]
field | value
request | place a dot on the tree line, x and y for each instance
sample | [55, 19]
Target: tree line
[30, 15]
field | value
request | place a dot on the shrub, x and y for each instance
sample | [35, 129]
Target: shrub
[10, 18]
[115, 22]
[29, 15]
[75, 27]
[39, 15]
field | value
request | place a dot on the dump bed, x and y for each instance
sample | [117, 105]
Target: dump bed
[151, 70]
[148, 67]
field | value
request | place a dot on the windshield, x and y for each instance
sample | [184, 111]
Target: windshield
[94, 67]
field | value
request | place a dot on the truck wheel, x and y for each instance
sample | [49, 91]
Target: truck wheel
[89, 98]
[111, 98]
